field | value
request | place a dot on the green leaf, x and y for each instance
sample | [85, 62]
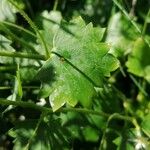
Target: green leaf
[49, 135]
[50, 24]
[79, 63]
[146, 125]
[90, 134]
[120, 35]
[108, 98]
[5, 45]
[86, 126]
[123, 143]
[6, 11]
[17, 93]
[138, 61]
[29, 69]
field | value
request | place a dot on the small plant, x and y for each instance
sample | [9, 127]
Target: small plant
[72, 84]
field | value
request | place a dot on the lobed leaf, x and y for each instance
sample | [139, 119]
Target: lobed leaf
[78, 64]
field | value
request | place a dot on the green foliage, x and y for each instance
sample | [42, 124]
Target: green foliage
[79, 62]
[49, 135]
[66, 83]
[5, 45]
[17, 94]
[145, 125]
[50, 23]
[138, 62]
[6, 11]
[120, 35]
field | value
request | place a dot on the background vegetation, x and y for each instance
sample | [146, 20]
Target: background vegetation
[74, 84]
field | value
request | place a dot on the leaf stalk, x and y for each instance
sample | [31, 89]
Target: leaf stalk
[22, 55]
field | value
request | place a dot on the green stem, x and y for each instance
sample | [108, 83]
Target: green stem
[131, 20]
[6, 68]
[84, 111]
[127, 15]
[145, 23]
[120, 117]
[35, 131]
[29, 8]
[125, 118]
[24, 87]
[55, 5]
[10, 33]
[13, 67]
[18, 27]
[22, 104]
[49, 110]
[138, 85]
[22, 55]
[132, 11]
[31, 23]
[79, 110]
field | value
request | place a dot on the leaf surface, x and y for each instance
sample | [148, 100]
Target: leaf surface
[138, 62]
[6, 11]
[146, 125]
[49, 135]
[78, 64]
[50, 23]
[5, 45]
[120, 35]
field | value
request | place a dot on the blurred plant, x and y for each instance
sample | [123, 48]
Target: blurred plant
[79, 103]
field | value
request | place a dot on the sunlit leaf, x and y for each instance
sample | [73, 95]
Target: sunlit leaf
[146, 125]
[6, 11]
[138, 61]
[17, 93]
[79, 63]
[120, 35]
[5, 45]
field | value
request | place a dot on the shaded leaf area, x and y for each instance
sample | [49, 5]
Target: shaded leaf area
[20, 41]
[74, 75]
[58, 132]
[123, 142]
[28, 68]
[131, 139]
[146, 125]
[120, 35]
[49, 23]
[49, 135]
[138, 61]
[94, 11]
[84, 128]
[5, 45]
[14, 71]
[90, 128]
[110, 100]
[80, 62]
